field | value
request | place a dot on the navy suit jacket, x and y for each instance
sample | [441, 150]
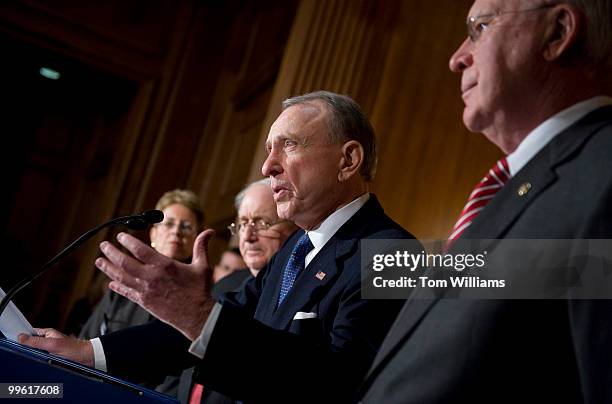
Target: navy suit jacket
[259, 352]
[453, 350]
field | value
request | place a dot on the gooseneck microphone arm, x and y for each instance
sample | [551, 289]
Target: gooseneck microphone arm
[134, 222]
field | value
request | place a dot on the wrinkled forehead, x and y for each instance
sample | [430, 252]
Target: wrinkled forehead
[258, 202]
[480, 7]
[299, 118]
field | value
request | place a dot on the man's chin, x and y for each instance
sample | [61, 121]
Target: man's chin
[472, 120]
[284, 210]
[254, 263]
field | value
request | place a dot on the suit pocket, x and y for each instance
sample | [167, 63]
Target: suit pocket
[309, 327]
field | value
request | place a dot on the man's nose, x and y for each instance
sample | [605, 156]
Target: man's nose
[248, 233]
[462, 58]
[272, 166]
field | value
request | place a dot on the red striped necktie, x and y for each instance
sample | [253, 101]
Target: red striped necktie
[486, 189]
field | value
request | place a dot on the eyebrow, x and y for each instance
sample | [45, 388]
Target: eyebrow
[265, 219]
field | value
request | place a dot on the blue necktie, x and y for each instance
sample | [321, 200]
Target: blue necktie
[295, 265]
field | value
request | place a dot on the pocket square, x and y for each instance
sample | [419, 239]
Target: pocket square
[301, 315]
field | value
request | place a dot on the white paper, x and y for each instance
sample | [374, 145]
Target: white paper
[13, 322]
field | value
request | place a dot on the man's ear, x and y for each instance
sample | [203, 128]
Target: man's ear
[351, 161]
[563, 32]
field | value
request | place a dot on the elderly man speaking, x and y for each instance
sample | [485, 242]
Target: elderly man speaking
[315, 335]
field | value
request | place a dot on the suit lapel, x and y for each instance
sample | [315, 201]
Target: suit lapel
[308, 287]
[269, 295]
[503, 210]
[539, 174]
[413, 311]
[494, 221]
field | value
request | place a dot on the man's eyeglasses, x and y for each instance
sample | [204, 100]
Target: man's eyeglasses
[479, 23]
[184, 227]
[255, 225]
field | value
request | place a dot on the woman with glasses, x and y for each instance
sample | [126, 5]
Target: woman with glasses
[174, 238]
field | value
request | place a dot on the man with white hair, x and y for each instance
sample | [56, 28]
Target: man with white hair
[535, 80]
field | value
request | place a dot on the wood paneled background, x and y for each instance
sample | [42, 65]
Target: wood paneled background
[163, 94]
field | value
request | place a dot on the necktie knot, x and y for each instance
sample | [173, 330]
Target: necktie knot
[295, 265]
[484, 191]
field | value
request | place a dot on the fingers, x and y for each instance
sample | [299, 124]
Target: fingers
[120, 266]
[47, 344]
[140, 250]
[126, 291]
[70, 348]
[200, 248]
[117, 273]
[49, 333]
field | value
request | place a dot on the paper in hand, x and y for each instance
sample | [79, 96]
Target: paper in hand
[13, 322]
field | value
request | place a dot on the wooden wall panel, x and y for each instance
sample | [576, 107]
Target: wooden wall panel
[126, 36]
[225, 150]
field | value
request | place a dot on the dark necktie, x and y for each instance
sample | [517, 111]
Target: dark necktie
[485, 190]
[295, 265]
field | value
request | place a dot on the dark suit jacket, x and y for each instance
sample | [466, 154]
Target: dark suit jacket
[516, 351]
[230, 283]
[286, 359]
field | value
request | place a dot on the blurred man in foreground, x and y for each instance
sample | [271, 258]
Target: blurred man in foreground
[535, 80]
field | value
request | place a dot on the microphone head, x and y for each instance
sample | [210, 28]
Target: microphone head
[142, 221]
[136, 223]
[152, 216]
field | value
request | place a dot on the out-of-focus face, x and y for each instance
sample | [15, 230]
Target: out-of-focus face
[501, 68]
[229, 263]
[257, 247]
[303, 165]
[175, 235]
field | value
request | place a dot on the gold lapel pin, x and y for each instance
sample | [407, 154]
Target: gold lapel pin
[524, 188]
[320, 275]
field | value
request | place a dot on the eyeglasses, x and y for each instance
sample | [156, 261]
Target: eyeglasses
[479, 23]
[184, 227]
[256, 225]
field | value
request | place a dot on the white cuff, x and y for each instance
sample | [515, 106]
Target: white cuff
[99, 357]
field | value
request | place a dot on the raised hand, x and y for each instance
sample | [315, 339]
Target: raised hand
[176, 293]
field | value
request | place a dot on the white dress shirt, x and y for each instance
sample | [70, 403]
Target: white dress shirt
[328, 227]
[547, 130]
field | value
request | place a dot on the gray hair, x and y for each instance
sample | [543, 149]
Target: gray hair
[348, 122]
[597, 42]
[240, 196]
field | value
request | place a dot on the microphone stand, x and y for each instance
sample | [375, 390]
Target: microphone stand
[135, 222]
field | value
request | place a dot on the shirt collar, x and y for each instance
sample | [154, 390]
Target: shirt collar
[328, 227]
[547, 130]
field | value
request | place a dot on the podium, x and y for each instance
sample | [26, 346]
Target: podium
[20, 364]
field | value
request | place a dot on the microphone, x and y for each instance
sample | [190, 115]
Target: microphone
[134, 222]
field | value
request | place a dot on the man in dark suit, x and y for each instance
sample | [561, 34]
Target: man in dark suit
[315, 335]
[533, 82]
